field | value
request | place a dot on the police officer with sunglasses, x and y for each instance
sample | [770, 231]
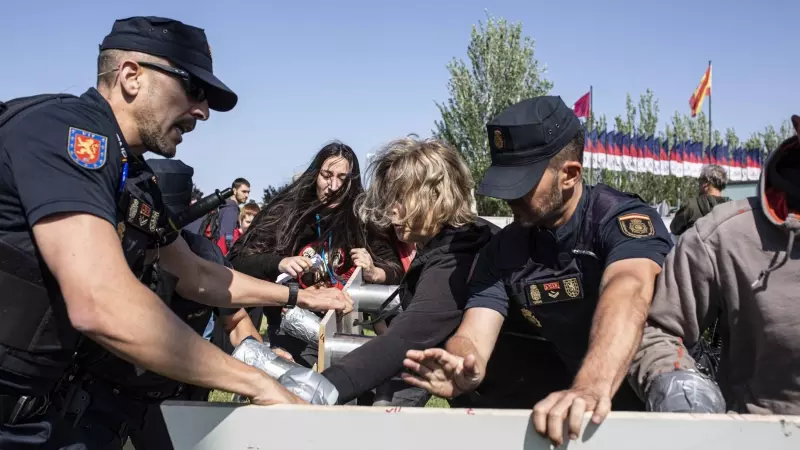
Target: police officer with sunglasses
[82, 219]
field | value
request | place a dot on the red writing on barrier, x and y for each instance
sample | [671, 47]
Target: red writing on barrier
[470, 412]
[393, 410]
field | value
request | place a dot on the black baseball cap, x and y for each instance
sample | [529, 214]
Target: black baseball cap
[184, 45]
[174, 179]
[522, 139]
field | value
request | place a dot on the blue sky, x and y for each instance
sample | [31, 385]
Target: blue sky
[367, 72]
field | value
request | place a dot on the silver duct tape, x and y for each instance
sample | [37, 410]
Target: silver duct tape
[310, 386]
[301, 324]
[340, 345]
[684, 392]
[370, 297]
[260, 356]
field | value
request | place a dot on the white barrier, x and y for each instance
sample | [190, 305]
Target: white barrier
[198, 425]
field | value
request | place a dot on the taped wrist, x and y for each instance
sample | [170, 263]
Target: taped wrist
[260, 356]
[309, 386]
[686, 392]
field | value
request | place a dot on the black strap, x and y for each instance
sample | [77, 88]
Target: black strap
[383, 313]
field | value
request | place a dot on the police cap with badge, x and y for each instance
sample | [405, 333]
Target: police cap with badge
[522, 139]
[183, 45]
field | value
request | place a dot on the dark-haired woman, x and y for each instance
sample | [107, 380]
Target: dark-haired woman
[315, 215]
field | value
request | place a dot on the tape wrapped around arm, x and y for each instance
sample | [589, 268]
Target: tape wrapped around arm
[309, 386]
[683, 391]
[260, 356]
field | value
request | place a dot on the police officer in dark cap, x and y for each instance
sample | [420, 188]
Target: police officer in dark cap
[82, 218]
[563, 290]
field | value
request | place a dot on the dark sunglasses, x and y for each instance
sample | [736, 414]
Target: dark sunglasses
[192, 88]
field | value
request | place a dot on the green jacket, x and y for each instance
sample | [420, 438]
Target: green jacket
[694, 209]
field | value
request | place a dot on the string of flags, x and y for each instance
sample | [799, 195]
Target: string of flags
[619, 152]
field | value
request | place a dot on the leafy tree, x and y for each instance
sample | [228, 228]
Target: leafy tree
[754, 142]
[648, 113]
[786, 131]
[769, 138]
[731, 140]
[271, 192]
[196, 192]
[501, 71]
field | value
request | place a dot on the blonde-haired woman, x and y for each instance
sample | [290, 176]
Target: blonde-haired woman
[423, 190]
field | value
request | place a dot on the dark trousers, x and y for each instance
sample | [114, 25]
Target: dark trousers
[522, 372]
[112, 419]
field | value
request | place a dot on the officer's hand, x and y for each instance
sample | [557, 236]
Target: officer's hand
[275, 394]
[441, 373]
[294, 265]
[549, 414]
[324, 299]
[362, 258]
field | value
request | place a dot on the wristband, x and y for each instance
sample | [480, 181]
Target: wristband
[292, 302]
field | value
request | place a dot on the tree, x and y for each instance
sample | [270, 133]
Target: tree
[786, 131]
[271, 192]
[754, 142]
[648, 113]
[502, 71]
[196, 192]
[770, 138]
[731, 140]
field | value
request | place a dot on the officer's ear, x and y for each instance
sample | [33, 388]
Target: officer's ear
[571, 173]
[130, 74]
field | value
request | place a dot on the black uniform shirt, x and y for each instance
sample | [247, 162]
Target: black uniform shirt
[66, 156]
[613, 243]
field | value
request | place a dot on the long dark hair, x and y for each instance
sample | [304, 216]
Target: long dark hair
[281, 223]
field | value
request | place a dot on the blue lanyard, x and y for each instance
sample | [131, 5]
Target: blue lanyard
[324, 252]
[124, 178]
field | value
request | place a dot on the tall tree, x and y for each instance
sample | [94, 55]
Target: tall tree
[754, 142]
[502, 70]
[271, 192]
[786, 131]
[196, 192]
[769, 138]
[731, 140]
[648, 113]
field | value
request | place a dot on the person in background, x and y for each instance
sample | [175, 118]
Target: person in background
[246, 215]
[739, 264]
[314, 215]
[422, 190]
[229, 212]
[712, 182]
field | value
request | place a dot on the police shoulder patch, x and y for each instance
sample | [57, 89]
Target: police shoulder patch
[636, 225]
[86, 149]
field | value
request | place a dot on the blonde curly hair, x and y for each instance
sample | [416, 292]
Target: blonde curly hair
[428, 177]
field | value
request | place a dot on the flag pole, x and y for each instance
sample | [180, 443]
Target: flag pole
[710, 139]
[591, 115]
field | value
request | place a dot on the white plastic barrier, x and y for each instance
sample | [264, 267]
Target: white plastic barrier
[198, 425]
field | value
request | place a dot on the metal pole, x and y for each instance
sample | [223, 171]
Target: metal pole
[710, 136]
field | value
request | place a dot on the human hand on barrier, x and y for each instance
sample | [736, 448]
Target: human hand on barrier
[549, 414]
[274, 393]
[324, 299]
[362, 258]
[442, 373]
[295, 265]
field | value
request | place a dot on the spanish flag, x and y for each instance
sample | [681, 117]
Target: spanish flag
[699, 95]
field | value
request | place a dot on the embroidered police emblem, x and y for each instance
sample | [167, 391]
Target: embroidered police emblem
[553, 289]
[499, 142]
[87, 149]
[144, 214]
[571, 287]
[133, 209]
[636, 225]
[536, 296]
[154, 221]
[531, 318]
[121, 230]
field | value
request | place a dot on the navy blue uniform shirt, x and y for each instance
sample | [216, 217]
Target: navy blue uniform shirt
[488, 290]
[63, 157]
